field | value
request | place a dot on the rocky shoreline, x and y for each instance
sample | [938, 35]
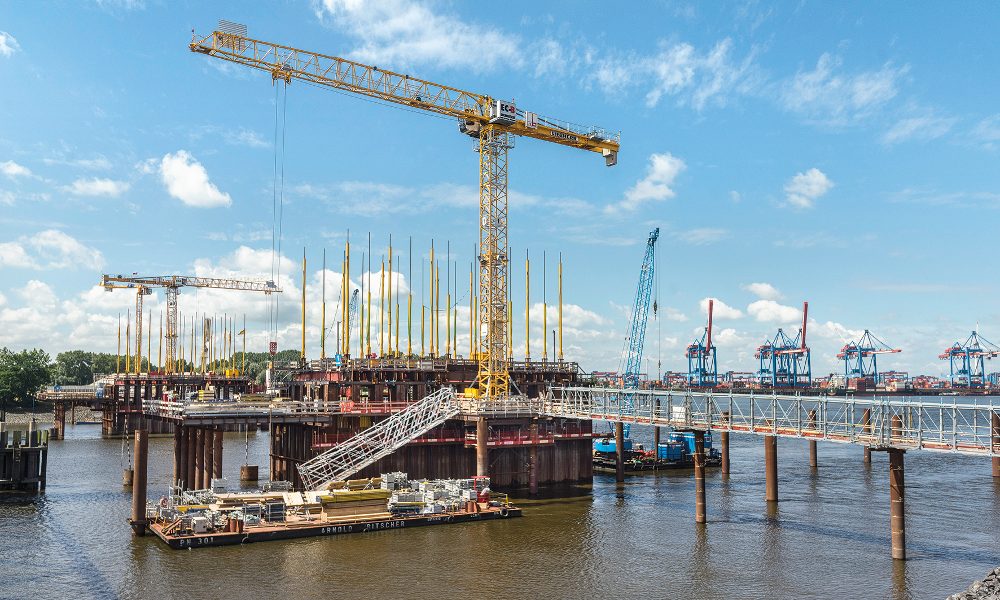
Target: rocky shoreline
[23, 418]
[986, 589]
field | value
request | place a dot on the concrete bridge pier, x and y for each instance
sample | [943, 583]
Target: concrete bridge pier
[771, 468]
[619, 452]
[699, 477]
[59, 421]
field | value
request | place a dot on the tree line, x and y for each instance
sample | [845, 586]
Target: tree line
[26, 373]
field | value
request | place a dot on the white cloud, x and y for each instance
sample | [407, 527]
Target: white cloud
[663, 169]
[187, 180]
[826, 95]
[98, 186]
[833, 330]
[803, 189]
[246, 137]
[13, 170]
[988, 130]
[769, 311]
[8, 45]
[695, 78]
[49, 249]
[98, 163]
[672, 314]
[6, 198]
[406, 34]
[764, 291]
[702, 236]
[918, 128]
[735, 196]
[720, 310]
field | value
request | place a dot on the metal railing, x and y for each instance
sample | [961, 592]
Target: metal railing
[962, 427]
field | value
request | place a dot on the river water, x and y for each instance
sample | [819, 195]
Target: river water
[828, 537]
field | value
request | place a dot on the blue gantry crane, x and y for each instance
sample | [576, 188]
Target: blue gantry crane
[861, 357]
[967, 361]
[785, 361]
[703, 369]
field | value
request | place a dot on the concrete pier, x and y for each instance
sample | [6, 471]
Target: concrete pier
[619, 452]
[771, 468]
[138, 520]
[482, 449]
[699, 477]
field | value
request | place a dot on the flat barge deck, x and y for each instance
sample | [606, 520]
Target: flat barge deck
[303, 528]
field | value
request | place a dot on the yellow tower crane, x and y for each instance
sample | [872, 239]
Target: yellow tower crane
[172, 284]
[492, 121]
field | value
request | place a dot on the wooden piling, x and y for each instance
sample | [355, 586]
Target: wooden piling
[217, 455]
[724, 440]
[813, 458]
[866, 422]
[138, 520]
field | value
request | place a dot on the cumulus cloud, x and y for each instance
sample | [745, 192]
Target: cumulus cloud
[663, 169]
[8, 45]
[49, 249]
[13, 170]
[404, 34]
[672, 314]
[98, 186]
[702, 235]
[828, 95]
[187, 180]
[769, 311]
[764, 291]
[803, 189]
[696, 78]
[987, 131]
[720, 310]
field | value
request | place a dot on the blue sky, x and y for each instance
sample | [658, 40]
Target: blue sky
[840, 153]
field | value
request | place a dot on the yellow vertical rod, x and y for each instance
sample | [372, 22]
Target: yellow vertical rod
[243, 366]
[118, 355]
[560, 309]
[510, 330]
[430, 300]
[368, 323]
[128, 341]
[347, 298]
[472, 312]
[437, 306]
[545, 311]
[389, 296]
[159, 351]
[302, 355]
[527, 307]
[322, 318]
[409, 302]
[149, 339]
[361, 309]
[381, 311]
[343, 325]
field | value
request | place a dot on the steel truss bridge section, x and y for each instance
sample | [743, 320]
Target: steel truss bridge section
[959, 427]
[379, 440]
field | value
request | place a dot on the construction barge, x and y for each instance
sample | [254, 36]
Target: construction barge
[204, 518]
[676, 453]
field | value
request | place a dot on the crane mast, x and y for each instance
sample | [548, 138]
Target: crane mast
[172, 284]
[636, 339]
[491, 121]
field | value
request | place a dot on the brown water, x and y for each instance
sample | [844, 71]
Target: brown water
[827, 538]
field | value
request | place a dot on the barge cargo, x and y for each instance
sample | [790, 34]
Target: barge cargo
[215, 517]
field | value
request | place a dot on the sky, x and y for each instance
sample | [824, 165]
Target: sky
[843, 154]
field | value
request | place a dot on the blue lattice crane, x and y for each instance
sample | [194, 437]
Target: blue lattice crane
[967, 361]
[785, 361]
[861, 357]
[702, 366]
[632, 352]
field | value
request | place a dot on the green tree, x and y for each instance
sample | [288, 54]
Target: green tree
[103, 363]
[74, 367]
[22, 375]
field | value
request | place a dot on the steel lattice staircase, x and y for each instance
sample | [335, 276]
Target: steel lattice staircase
[379, 440]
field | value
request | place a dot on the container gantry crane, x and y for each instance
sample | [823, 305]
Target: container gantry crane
[172, 284]
[702, 366]
[967, 361]
[861, 357]
[786, 361]
[491, 121]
